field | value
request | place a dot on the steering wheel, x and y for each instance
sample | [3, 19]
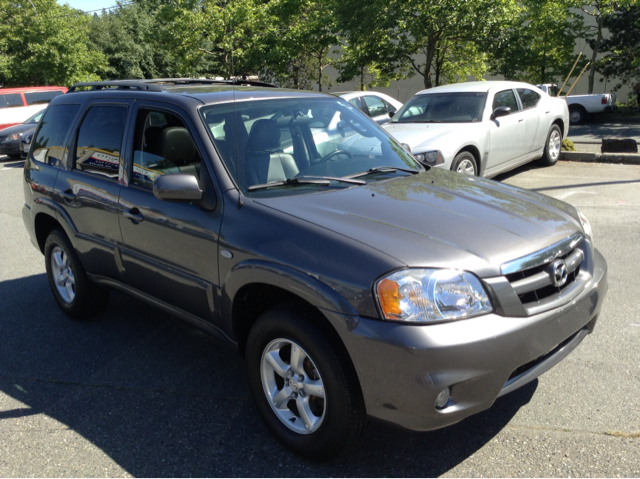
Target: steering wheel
[335, 153]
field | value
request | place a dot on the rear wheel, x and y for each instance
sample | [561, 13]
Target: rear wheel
[552, 147]
[76, 295]
[303, 386]
[577, 115]
[465, 163]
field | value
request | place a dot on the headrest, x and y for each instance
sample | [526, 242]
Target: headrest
[178, 146]
[264, 135]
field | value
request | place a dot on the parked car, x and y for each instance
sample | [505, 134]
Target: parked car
[378, 106]
[582, 106]
[18, 104]
[11, 137]
[355, 281]
[482, 128]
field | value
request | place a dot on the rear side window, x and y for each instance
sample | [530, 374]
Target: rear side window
[529, 98]
[10, 100]
[39, 97]
[100, 140]
[358, 104]
[48, 146]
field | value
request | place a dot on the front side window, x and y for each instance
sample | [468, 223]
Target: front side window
[528, 98]
[273, 141]
[458, 107]
[162, 145]
[100, 140]
[40, 97]
[48, 146]
[10, 100]
[505, 98]
[357, 102]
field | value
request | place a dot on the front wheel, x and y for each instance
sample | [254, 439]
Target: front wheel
[465, 163]
[552, 147]
[304, 386]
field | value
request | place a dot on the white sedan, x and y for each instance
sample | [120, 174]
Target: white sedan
[482, 128]
[380, 107]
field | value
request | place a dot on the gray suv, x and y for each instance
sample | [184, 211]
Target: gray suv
[355, 281]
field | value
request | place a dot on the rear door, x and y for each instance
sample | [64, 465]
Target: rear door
[536, 119]
[88, 188]
[170, 249]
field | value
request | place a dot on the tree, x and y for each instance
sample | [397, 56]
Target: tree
[622, 49]
[424, 37]
[538, 45]
[599, 9]
[45, 43]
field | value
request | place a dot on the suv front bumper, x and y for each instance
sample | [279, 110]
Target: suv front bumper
[402, 368]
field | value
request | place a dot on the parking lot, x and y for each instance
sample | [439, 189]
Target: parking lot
[136, 392]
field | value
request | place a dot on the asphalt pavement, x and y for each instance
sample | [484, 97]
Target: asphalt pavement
[136, 392]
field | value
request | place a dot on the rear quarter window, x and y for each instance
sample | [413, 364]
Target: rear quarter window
[48, 146]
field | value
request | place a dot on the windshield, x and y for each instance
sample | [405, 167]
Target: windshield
[270, 142]
[457, 107]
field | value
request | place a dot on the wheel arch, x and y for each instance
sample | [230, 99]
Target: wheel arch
[254, 287]
[475, 151]
[44, 224]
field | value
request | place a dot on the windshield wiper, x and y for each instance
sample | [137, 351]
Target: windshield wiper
[383, 169]
[306, 180]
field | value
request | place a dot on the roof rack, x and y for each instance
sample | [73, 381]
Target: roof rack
[160, 84]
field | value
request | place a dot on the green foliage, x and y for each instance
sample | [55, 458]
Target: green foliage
[438, 40]
[45, 43]
[567, 145]
[622, 48]
[537, 46]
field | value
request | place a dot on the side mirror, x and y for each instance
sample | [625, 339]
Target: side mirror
[500, 111]
[392, 113]
[177, 187]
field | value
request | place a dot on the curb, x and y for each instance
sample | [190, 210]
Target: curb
[621, 158]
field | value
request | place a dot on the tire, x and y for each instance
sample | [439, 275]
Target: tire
[465, 163]
[577, 115]
[321, 426]
[552, 147]
[76, 295]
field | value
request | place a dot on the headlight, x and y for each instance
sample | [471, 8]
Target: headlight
[585, 224]
[427, 295]
[430, 158]
[15, 136]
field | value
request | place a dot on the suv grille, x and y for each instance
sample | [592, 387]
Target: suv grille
[549, 277]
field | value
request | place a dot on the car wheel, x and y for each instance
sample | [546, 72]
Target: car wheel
[552, 147]
[465, 163]
[577, 115]
[76, 295]
[304, 386]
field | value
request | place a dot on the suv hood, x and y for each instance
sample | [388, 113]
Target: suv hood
[417, 135]
[438, 219]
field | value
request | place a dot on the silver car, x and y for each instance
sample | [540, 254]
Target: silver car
[482, 128]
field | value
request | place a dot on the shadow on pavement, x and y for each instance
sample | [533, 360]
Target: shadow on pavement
[161, 398]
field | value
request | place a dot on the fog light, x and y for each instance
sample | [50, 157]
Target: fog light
[443, 398]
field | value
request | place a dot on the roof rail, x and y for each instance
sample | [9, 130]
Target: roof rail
[114, 85]
[160, 84]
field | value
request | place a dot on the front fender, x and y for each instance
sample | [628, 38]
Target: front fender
[307, 287]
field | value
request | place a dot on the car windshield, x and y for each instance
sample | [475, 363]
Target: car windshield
[318, 141]
[456, 107]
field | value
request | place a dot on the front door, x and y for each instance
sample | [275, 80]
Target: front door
[170, 248]
[507, 134]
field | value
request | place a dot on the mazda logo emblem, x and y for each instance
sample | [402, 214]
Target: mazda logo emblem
[559, 273]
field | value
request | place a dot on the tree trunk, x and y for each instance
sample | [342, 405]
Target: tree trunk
[596, 49]
[361, 78]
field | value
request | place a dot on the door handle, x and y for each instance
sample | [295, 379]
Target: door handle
[520, 120]
[133, 214]
[68, 195]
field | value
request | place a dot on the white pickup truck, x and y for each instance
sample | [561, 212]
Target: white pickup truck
[581, 106]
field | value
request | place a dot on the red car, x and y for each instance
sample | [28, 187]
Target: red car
[19, 104]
